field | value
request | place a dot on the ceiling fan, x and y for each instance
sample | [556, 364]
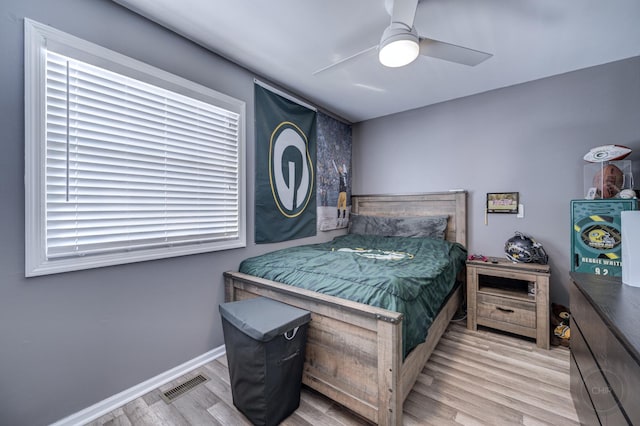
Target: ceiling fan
[401, 44]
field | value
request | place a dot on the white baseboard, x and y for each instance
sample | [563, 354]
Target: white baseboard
[105, 406]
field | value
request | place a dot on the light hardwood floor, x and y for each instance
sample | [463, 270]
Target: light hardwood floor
[472, 378]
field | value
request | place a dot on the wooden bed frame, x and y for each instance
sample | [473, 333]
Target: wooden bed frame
[354, 351]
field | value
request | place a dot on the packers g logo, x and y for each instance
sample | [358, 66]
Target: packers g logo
[290, 169]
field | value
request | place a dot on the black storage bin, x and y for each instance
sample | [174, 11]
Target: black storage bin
[265, 342]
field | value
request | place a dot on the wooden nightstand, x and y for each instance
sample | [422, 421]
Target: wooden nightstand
[512, 297]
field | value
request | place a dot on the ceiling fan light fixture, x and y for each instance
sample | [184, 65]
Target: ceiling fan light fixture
[399, 46]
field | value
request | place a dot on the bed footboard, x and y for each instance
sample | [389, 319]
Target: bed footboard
[353, 352]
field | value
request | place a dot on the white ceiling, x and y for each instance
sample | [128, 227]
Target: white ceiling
[286, 41]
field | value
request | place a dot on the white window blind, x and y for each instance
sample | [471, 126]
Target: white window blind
[130, 167]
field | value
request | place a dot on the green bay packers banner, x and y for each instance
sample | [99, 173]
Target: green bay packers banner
[285, 168]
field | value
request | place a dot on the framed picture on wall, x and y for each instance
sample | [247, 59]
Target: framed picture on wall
[502, 202]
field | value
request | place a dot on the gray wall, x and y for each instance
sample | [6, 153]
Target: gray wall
[70, 340]
[528, 138]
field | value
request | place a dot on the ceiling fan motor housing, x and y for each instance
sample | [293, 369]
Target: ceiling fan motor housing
[399, 45]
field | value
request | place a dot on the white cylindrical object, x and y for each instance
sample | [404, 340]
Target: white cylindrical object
[630, 220]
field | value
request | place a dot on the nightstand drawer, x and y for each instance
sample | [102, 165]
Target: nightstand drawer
[506, 310]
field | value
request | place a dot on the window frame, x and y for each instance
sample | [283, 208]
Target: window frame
[37, 38]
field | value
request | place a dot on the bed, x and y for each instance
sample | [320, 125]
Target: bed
[355, 352]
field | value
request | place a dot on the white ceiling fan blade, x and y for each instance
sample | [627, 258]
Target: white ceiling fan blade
[451, 52]
[343, 60]
[404, 11]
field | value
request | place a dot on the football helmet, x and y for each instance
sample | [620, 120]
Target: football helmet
[522, 248]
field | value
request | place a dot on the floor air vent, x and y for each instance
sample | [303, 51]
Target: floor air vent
[173, 393]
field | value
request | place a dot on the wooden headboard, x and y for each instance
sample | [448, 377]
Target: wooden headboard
[452, 204]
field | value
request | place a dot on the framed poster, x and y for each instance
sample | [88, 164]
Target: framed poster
[502, 202]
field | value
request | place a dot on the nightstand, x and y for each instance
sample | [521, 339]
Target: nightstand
[508, 296]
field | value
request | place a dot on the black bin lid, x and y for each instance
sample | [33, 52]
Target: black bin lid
[263, 319]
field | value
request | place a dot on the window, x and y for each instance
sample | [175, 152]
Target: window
[124, 162]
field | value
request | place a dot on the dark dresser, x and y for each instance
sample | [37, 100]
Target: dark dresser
[605, 350]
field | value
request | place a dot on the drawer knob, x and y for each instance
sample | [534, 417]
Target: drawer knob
[504, 309]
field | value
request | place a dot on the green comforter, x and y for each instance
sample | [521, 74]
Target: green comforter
[412, 276]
